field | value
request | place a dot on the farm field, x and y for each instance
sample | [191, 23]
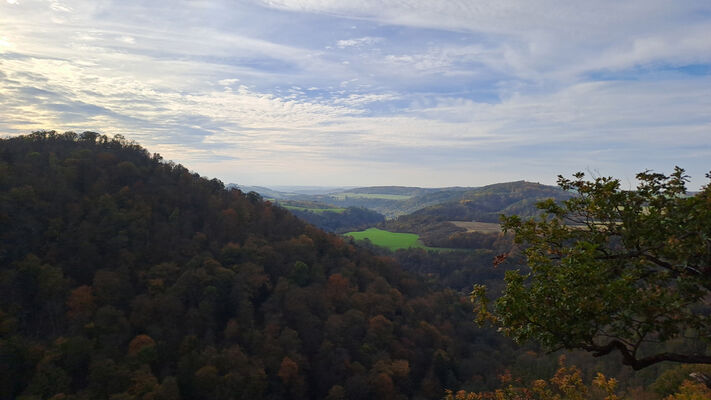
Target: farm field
[314, 210]
[342, 196]
[474, 226]
[391, 240]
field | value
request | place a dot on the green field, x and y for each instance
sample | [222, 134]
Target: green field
[315, 210]
[391, 240]
[342, 196]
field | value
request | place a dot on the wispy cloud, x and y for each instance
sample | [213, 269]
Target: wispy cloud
[358, 42]
[370, 92]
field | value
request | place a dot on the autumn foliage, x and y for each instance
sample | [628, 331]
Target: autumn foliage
[124, 276]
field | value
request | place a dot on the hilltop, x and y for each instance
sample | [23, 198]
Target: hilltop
[487, 203]
[126, 276]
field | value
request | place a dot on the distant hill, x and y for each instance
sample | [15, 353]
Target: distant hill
[485, 204]
[455, 203]
[482, 205]
[390, 201]
[263, 191]
[289, 192]
[393, 201]
[430, 197]
[390, 190]
[124, 276]
[311, 190]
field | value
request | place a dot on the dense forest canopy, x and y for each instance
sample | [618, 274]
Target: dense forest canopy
[124, 276]
[335, 220]
[613, 270]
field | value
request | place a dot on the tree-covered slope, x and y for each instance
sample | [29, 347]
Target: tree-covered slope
[484, 204]
[123, 276]
[349, 219]
[460, 202]
[487, 203]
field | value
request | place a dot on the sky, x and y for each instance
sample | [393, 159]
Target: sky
[362, 92]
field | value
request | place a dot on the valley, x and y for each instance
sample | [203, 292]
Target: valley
[355, 200]
[121, 273]
[439, 218]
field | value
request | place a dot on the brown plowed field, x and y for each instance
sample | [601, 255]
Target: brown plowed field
[473, 226]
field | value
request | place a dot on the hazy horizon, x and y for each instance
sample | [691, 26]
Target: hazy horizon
[286, 188]
[369, 93]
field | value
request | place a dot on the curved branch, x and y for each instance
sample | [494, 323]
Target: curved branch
[629, 356]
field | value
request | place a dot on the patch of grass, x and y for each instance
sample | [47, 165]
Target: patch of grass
[391, 240]
[342, 196]
[315, 210]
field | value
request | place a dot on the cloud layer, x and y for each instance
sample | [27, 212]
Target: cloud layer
[363, 92]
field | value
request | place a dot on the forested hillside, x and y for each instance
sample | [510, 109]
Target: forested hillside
[340, 221]
[482, 205]
[124, 276]
[459, 203]
[487, 203]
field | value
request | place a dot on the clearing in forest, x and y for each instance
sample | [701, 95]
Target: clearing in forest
[391, 240]
[315, 210]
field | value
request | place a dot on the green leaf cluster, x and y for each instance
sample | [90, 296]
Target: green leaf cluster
[613, 270]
